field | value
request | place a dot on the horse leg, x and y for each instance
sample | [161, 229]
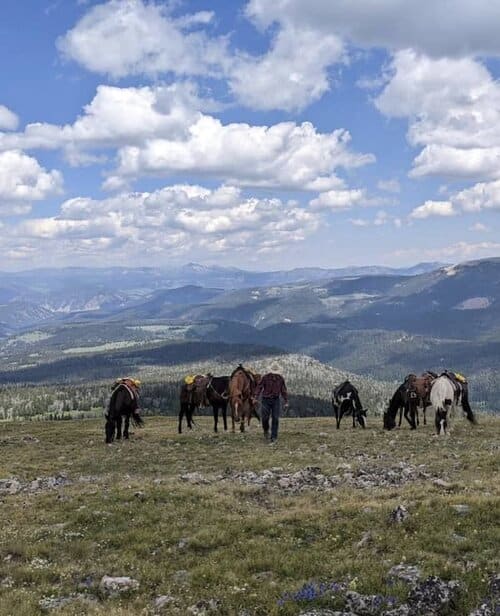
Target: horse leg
[401, 409]
[181, 415]
[423, 413]
[242, 424]
[353, 417]
[119, 427]
[109, 429]
[416, 416]
[127, 425]
[215, 410]
[224, 416]
[189, 416]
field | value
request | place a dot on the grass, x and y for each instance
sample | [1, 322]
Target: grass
[127, 512]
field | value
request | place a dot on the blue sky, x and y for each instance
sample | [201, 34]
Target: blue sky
[260, 133]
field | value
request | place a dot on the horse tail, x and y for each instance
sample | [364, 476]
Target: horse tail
[137, 420]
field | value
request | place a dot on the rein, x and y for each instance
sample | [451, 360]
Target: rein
[224, 396]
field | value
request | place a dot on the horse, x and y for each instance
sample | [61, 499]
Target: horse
[217, 396]
[447, 393]
[419, 389]
[191, 397]
[414, 391]
[399, 403]
[242, 386]
[124, 402]
[345, 401]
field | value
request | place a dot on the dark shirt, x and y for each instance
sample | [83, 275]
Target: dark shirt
[272, 386]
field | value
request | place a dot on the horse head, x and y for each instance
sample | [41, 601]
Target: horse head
[389, 419]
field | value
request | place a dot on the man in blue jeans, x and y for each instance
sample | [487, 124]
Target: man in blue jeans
[272, 389]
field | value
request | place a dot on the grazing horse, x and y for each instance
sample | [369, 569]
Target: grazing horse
[399, 403]
[447, 393]
[419, 389]
[242, 386]
[124, 402]
[412, 393]
[217, 396]
[345, 401]
[191, 397]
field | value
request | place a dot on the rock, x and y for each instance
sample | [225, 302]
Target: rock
[401, 610]
[364, 605]
[6, 582]
[458, 538]
[195, 478]
[56, 603]
[461, 509]
[212, 606]
[483, 610]
[441, 483]
[326, 612]
[263, 575]
[10, 486]
[140, 496]
[409, 574]
[366, 538]
[183, 543]
[432, 595]
[116, 585]
[399, 515]
[162, 601]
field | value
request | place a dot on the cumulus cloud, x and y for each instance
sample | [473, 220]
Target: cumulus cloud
[338, 200]
[445, 28]
[292, 74]
[168, 222]
[132, 37]
[453, 108]
[285, 155]
[8, 119]
[23, 180]
[433, 208]
[115, 117]
[479, 227]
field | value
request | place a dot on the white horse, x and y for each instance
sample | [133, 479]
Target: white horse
[443, 399]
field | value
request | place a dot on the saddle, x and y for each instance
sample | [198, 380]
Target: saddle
[458, 381]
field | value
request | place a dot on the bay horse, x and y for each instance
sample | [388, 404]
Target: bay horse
[412, 393]
[217, 396]
[345, 401]
[123, 403]
[191, 397]
[242, 386]
[448, 393]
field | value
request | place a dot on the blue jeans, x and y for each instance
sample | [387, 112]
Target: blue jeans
[271, 409]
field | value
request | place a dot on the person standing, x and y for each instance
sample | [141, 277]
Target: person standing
[272, 390]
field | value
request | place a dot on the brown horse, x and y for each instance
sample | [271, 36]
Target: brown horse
[418, 394]
[242, 385]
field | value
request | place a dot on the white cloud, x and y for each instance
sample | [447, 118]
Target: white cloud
[23, 180]
[445, 28]
[132, 37]
[169, 222]
[459, 251]
[479, 227]
[482, 196]
[8, 119]
[391, 186]
[453, 108]
[433, 208]
[292, 74]
[115, 117]
[284, 155]
[338, 200]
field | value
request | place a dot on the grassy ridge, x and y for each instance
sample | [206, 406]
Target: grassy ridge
[128, 512]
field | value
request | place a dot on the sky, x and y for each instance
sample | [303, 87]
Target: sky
[256, 133]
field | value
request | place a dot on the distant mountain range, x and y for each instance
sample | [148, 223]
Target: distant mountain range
[31, 297]
[382, 323]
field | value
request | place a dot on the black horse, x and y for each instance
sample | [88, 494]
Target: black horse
[123, 403]
[217, 396]
[187, 399]
[404, 400]
[345, 401]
